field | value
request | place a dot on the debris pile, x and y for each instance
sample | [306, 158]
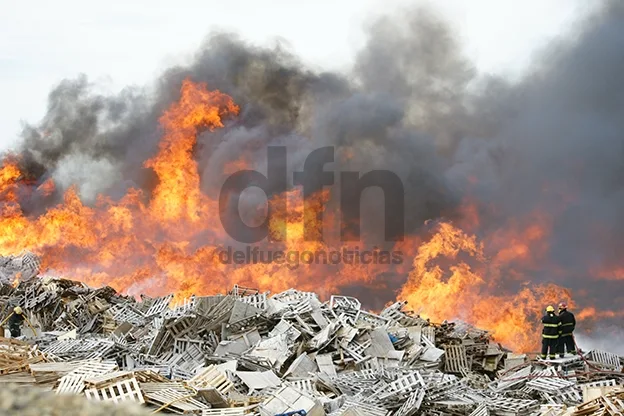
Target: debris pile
[248, 353]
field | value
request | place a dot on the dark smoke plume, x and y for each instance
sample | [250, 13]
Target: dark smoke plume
[556, 145]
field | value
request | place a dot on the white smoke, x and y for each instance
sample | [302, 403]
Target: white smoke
[91, 176]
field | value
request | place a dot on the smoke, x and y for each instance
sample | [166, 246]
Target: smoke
[610, 339]
[283, 103]
[556, 147]
[550, 144]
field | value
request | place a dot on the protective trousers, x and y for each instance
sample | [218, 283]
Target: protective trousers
[566, 343]
[549, 348]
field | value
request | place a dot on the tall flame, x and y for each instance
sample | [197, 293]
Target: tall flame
[177, 196]
[464, 291]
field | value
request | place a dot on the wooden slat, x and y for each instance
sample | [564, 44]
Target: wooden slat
[119, 391]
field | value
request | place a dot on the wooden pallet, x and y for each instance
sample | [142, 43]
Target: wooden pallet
[512, 406]
[49, 372]
[367, 319]
[240, 291]
[159, 305]
[361, 408]
[511, 379]
[285, 327]
[181, 345]
[212, 396]
[400, 389]
[258, 321]
[294, 296]
[548, 381]
[610, 404]
[258, 300]
[126, 313]
[455, 360]
[158, 386]
[601, 383]
[481, 410]
[344, 302]
[440, 389]
[184, 325]
[119, 391]
[184, 308]
[231, 411]
[306, 384]
[176, 401]
[149, 376]
[73, 382]
[428, 333]
[212, 377]
[326, 364]
[412, 404]
[303, 307]
[605, 359]
[19, 367]
[107, 378]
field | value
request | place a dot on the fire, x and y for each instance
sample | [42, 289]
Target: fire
[16, 280]
[47, 188]
[463, 289]
[592, 313]
[129, 242]
[9, 173]
[171, 240]
[177, 196]
[9, 176]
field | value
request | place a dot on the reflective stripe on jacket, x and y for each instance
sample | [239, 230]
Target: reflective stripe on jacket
[568, 322]
[552, 326]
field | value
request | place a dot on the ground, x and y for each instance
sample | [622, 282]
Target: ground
[17, 400]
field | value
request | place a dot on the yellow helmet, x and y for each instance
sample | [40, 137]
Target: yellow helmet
[17, 310]
[549, 308]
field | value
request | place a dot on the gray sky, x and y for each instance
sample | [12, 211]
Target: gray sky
[121, 42]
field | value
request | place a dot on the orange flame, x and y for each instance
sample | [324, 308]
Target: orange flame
[9, 176]
[16, 280]
[177, 196]
[47, 187]
[464, 290]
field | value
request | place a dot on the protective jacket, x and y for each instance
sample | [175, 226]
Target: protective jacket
[568, 322]
[16, 320]
[15, 323]
[552, 325]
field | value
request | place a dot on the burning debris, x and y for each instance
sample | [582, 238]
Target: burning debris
[125, 191]
[18, 268]
[250, 353]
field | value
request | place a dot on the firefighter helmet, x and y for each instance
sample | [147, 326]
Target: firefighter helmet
[17, 310]
[563, 305]
[549, 308]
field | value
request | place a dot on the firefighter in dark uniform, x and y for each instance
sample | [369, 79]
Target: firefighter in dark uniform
[15, 322]
[566, 333]
[550, 333]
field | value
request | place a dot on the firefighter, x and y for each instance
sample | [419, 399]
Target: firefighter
[15, 322]
[550, 333]
[566, 332]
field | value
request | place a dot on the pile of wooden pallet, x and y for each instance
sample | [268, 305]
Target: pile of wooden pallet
[248, 353]
[610, 404]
